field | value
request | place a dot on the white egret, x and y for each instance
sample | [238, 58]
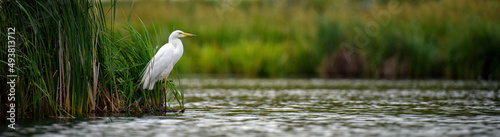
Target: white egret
[164, 60]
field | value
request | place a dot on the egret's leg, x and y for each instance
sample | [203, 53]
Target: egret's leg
[165, 96]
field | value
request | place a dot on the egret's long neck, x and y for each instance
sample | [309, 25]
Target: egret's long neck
[176, 42]
[179, 48]
[171, 39]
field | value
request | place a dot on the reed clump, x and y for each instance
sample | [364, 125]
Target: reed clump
[70, 62]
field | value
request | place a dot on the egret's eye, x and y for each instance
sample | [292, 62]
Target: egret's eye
[180, 32]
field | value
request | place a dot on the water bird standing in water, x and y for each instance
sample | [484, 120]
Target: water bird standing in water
[164, 60]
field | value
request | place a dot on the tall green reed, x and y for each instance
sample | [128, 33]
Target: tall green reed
[57, 55]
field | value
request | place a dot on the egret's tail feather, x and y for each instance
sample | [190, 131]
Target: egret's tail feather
[146, 79]
[145, 84]
[148, 83]
[151, 86]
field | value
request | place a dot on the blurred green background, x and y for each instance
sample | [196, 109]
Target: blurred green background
[456, 39]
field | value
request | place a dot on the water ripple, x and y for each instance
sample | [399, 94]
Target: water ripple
[304, 108]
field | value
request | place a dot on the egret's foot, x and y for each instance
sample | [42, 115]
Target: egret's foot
[181, 110]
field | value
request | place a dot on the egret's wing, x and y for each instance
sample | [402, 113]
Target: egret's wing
[158, 63]
[162, 61]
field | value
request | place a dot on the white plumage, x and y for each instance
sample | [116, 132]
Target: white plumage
[164, 60]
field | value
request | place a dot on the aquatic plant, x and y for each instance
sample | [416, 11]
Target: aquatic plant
[70, 62]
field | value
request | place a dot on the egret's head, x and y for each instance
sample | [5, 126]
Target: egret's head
[180, 34]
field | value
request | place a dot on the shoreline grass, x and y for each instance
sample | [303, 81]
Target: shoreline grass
[71, 64]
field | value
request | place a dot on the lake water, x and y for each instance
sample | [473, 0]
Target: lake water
[303, 107]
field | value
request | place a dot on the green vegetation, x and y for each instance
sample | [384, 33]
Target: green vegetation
[69, 63]
[288, 38]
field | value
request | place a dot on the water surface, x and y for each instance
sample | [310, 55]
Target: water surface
[304, 107]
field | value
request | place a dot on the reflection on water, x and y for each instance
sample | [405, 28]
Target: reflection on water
[242, 107]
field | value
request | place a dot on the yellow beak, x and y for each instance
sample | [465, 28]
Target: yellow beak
[187, 34]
